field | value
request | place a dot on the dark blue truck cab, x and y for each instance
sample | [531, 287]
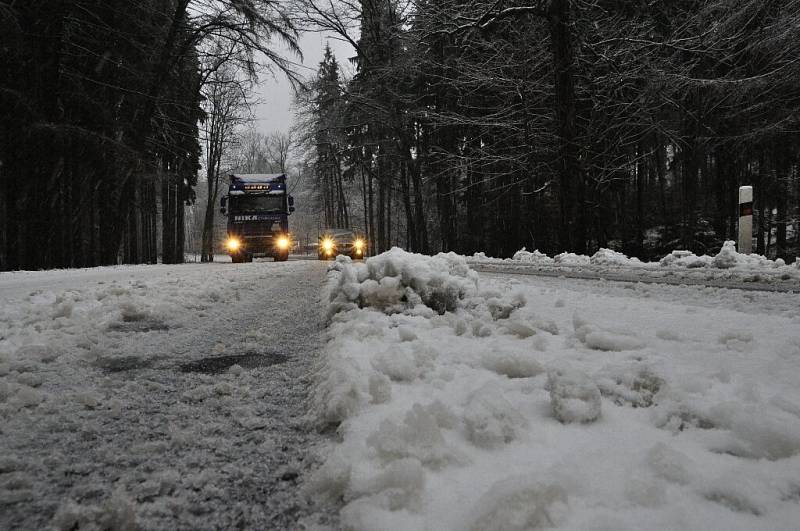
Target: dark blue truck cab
[258, 207]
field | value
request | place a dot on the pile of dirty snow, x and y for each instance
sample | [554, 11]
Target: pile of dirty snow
[397, 280]
[686, 259]
[727, 258]
[536, 403]
[523, 255]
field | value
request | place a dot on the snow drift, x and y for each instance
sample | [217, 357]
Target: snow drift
[726, 264]
[397, 280]
[467, 403]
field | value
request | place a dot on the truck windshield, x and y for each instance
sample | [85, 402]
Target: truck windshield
[257, 203]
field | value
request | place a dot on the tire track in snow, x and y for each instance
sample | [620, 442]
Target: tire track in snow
[129, 432]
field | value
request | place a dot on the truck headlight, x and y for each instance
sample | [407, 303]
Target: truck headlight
[233, 244]
[327, 244]
[283, 243]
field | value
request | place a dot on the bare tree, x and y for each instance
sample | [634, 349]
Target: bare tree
[251, 155]
[227, 109]
[278, 146]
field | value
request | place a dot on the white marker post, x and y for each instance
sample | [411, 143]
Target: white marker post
[745, 219]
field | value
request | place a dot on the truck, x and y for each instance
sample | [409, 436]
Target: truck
[258, 206]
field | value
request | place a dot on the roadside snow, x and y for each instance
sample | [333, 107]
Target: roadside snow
[727, 265]
[537, 403]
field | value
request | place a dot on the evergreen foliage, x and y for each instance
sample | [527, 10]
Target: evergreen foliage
[100, 103]
[569, 125]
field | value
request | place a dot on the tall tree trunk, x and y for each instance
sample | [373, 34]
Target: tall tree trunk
[4, 222]
[364, 203]
[411, 238]
[782, 169]
[342, 214]
[166, 236]
[371, 209]
[572, 228]
[760, 195]
[389, 212]
[419, 209]
[640, 186]
[720, 193]
[446, 214]
[690, 170]
[207, 251]
[152, 207]
[382, 206]
[660, 162]
[180, 221]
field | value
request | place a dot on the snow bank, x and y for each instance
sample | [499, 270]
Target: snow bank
[606, 259]
[609, 257]
[729, 258]
[398, 280]
[571, 259]
[536, 257]
[514, 404]
[685, 259]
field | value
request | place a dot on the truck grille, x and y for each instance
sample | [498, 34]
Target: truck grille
[255, 229]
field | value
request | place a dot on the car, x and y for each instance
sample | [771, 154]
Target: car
[333, 242]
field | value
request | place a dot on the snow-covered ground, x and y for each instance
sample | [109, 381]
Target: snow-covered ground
[515, 402]
[161, 396]
[727, 268]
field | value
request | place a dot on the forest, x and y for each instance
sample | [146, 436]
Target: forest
[560, 125]
[104, 106]
[456, 125]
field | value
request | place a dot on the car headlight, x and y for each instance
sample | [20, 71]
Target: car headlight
[283, 243]
[233, 244]
[359, 244]
[327, 244]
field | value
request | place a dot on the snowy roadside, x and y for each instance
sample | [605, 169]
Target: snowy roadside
[728, 268]
[163, 397]
[518, 403]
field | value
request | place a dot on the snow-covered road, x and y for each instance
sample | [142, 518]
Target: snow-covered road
[174, 397]
[168, 396]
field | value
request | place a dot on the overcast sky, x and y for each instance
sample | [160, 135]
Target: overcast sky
[276, 112]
